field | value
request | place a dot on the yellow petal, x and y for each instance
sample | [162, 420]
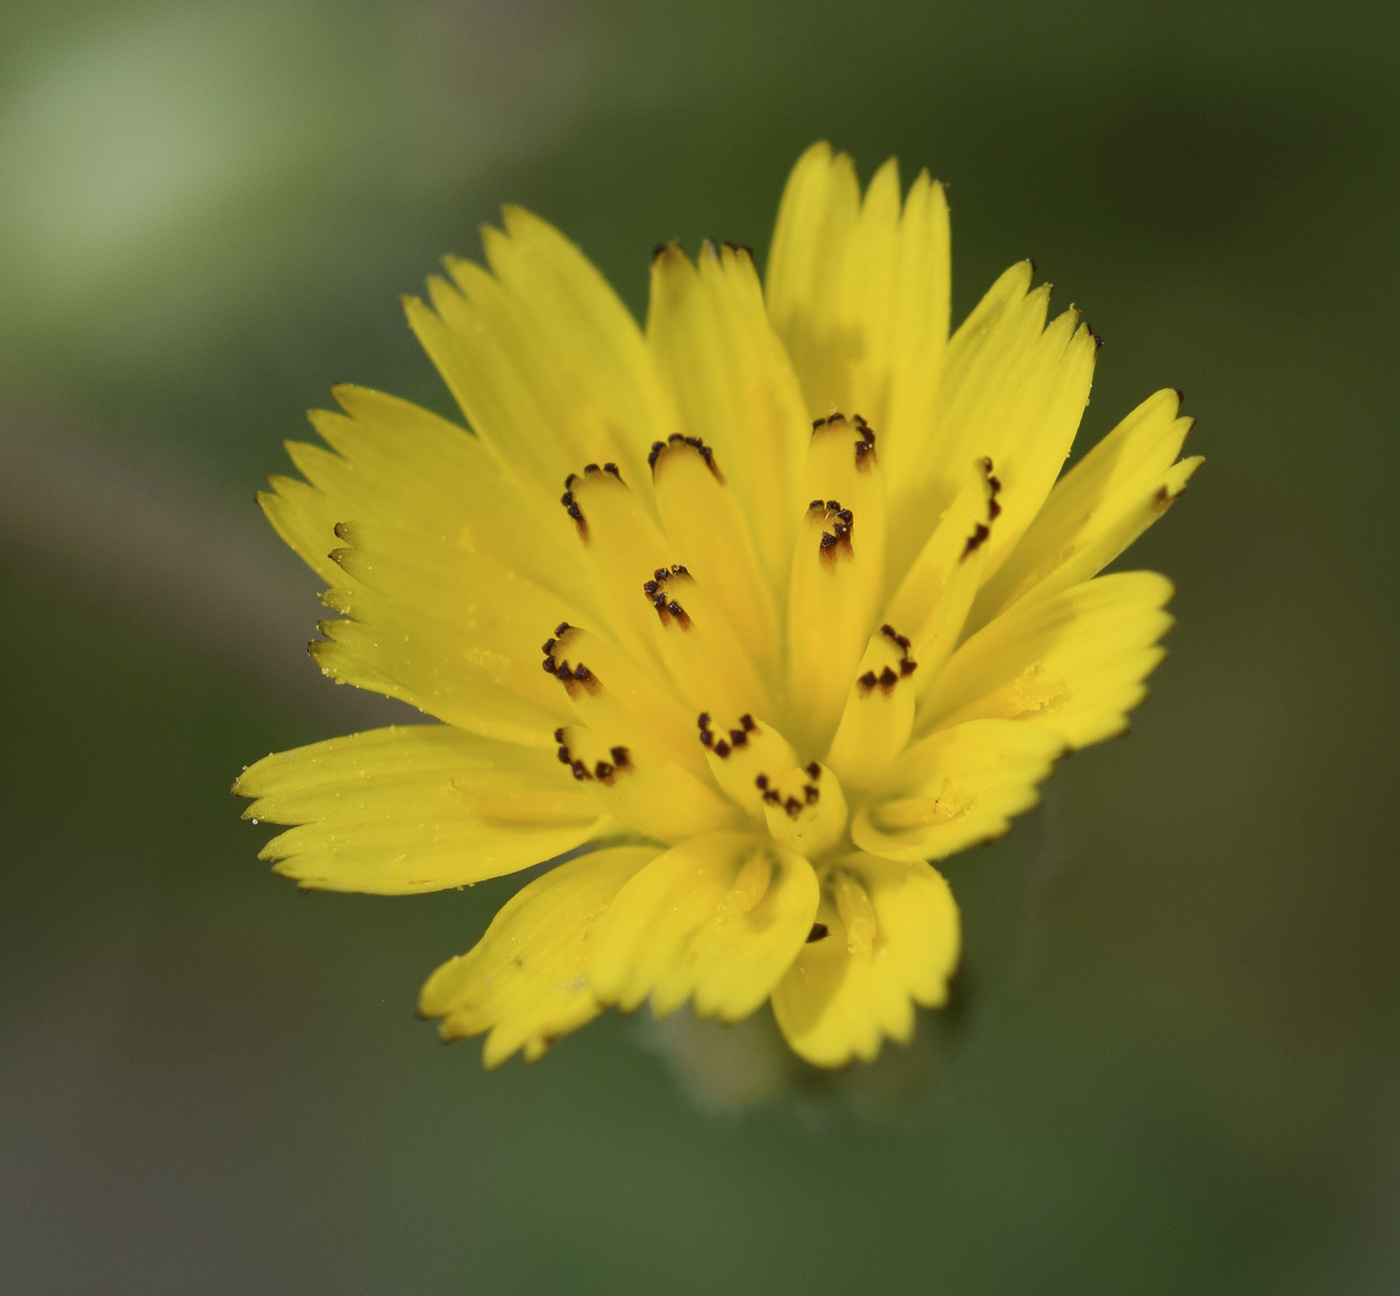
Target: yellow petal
[808, 270]
[1123, 485]
[620, 546]
[879, 712]
[615, 699]
[958, 787]
[393, 461]
[1012, 390]
[1072, 663]
[545, 361]
[733, 385]
[719, 918]
[456, 636]
[658, 798]
[414, 808]
[712, 539]
[932, 601]
[526, 980]
[745, 755]
[891, 940]
[828, 622]
[858, 291]
[806, 809]
[707, 657]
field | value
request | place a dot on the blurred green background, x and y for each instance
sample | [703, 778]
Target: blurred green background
[1180, 1071]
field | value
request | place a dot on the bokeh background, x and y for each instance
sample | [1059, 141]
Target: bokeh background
[1176, 1061]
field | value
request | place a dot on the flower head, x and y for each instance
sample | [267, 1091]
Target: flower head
[764, 607]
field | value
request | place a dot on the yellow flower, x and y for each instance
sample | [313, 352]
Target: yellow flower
[767, 606]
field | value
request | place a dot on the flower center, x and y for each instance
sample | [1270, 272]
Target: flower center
[714, 691]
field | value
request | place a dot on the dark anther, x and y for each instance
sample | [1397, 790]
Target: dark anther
[548, 646]
[738, 738]
[575, 512]
[761, 782]
[706, 737]
[975, 541]
[888, 679]
[679, 569]
[566, 498]
[816, 504]
[612, 468]
[658, 601]
[814, 771]
[564, 671]
[703, 720]
[549, 665]
[562, 627]
[868, 680]
[564, 757]
[907, 667]
[820, 931]
[661, 573]
[622, 758]
[793, 807]
[674, 608]
[748, 722]
[722, 749]
[834, 505]
[581, 672]
[656, 448]
[828, 540]
[675, 438]
[570, 480]
[651, 587]
[559, 734]
[591, 468]
[659, 251]
[603, 772]
[581, 771]
[771, 798]
[812, 794]
[846, 516]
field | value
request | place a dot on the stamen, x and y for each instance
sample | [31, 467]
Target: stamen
[807, 817]
[675, 442]
[612, 697]
[872, 732]
[693, 637]
[649, 790]
[975, 541]
[933, 598]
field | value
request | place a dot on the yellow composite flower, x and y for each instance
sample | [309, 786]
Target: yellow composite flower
[763, 607]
